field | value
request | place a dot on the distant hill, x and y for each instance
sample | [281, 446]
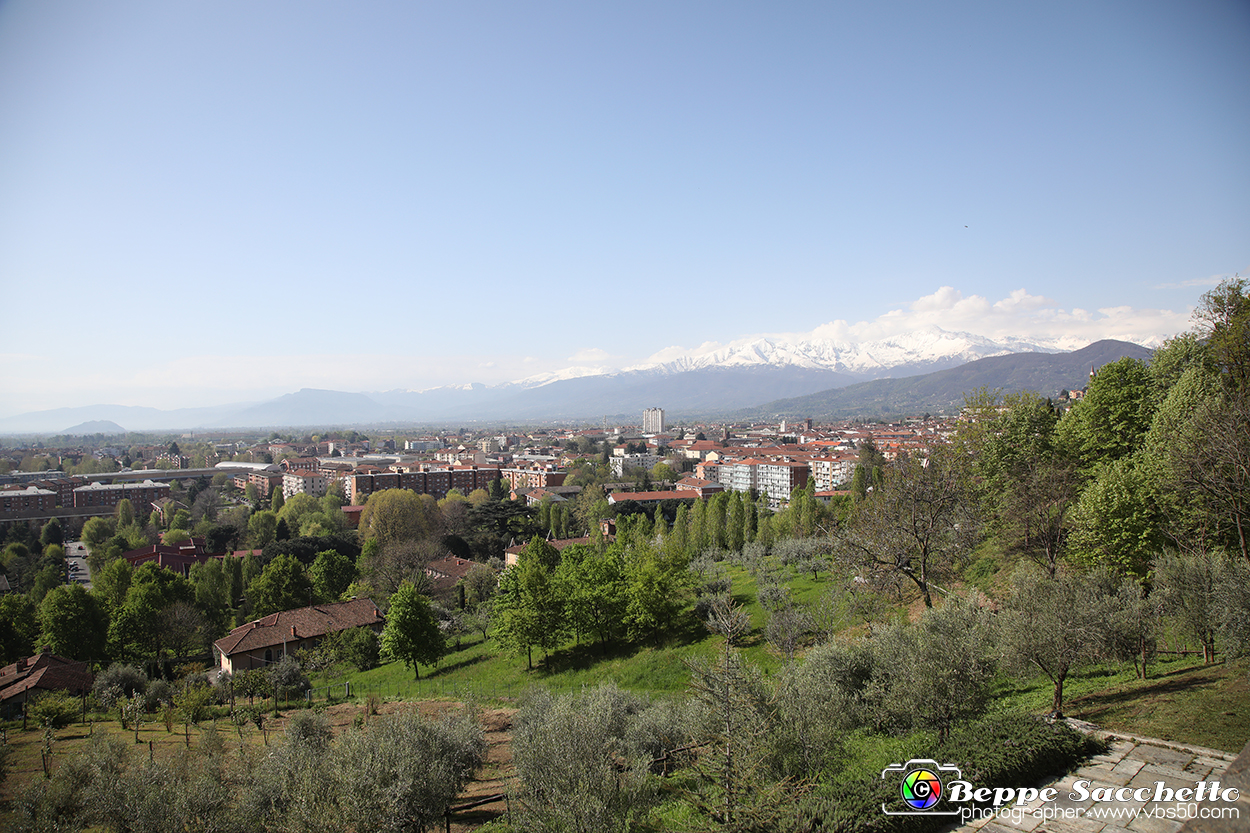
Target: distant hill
[817, 381]
[136, 418]
[943, 391]
[97, 426]
[309, 406]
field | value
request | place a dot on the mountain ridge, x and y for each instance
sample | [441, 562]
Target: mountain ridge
[1046, 373]
[749, 376]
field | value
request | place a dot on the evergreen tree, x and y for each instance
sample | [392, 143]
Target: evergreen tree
[679, 536]
[698, 527]
[735, 523]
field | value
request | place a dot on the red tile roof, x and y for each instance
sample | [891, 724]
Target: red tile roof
[44, 671]
[303, 623]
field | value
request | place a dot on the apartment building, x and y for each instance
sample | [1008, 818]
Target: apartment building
[14, 499]
[304, 482]
[141, 495]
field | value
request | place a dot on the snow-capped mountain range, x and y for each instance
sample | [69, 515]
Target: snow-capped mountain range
[710, 379]
[932, 348]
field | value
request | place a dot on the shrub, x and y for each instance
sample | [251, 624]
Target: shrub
[311, 730]
[786, 628]
[717, 585]
[998, 750]
[287, 677]
[360, 647]
[119, 681]
[53, 708]
[576, 769]
[402, 772]
[159, 693]
[773, 597]
[192, 701]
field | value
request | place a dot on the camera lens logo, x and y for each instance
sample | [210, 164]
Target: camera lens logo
[921, 789]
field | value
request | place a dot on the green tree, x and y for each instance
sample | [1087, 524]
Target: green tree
[18, 627]
[212, 582]
[135, 632]
[480, 584]
[181, 521]
[283, 585]
[176, 536]
[297, 509]
[360, 647]
[411, 634]
[1111, 421]
[1208, 459]
[735, 522]
[331, 573]
[276, 501]
[262, 527]
[72, 623]
[111, 584]
[529, 609]
[592, 584]
[698, 537]
[397, 515]
[52, 533]
[96, 533]
[655, 593]
[1223, 319]
[1116, 520]
[125, 512]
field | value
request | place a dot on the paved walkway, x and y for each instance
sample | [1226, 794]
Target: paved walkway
[1134, 762]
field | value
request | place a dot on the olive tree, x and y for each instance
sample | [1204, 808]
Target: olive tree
[578, 769]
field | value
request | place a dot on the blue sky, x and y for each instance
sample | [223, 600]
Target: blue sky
[212, 202]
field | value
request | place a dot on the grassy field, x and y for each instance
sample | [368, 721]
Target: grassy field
[482, 669]
[1181, 700]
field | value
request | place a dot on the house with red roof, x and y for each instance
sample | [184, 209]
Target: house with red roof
[264, 641]
[43, 672]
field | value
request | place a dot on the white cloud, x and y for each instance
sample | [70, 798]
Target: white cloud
[1018, 315]
[591, 355]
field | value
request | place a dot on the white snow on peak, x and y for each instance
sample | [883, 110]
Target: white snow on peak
[540, 379]
[924, 346]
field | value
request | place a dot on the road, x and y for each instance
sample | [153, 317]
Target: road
[76, 562]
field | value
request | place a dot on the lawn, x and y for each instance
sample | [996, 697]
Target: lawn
[482, 669]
